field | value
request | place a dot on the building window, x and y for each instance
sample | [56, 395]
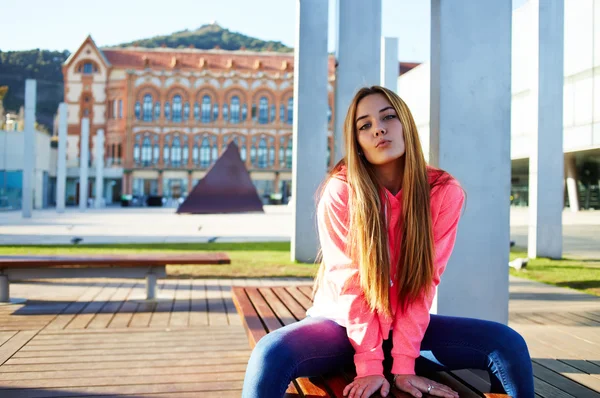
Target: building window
[262, 154]
[329, 114]
[235, 109]
[177, 109]
[282, 113]
[166, 150]
[205, 153]
[253, 152]
[253, 113]
[215, 114]
[146, 152]
[196, 112]
[225, 112]
[147, 108]
[120, 109]
[176, 152]
[288, 154]
[273, 112]
[206, 109]
[167, 111]
[244, 112]
[185, 151]
[88, 68]
[186, 111]
[290, 111]
[271, 151]
[156, 151]
[243, 149]
[263, 110]
[157, 110]
[114, 109]
[281, 152]
[136, 150]
[215, 151]
[138, 109]
[195, 152]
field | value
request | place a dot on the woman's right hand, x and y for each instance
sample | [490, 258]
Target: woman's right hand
[417, 386]
[364, 387]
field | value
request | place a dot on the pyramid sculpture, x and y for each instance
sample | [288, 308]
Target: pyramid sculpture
[226, 188]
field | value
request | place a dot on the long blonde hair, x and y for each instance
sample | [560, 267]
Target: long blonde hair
[368, 238]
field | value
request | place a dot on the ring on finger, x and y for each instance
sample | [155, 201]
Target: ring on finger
[429, 388]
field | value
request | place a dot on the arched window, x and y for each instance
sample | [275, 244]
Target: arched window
[273, 113]
[196, 151]
[281, 152]
[271, 151]
[282, 113]
[136, 150]
[244, 112]
[138, 109]
[288, 154]
[215, 115]
[329, 114]
[167, 150]
[206, 109]
[176, 152]
[157, 110]
[197, 112]
[235, 109]
[262, 153]
[243, 149]
[263, 110]
[215, 151]
[185, 152]
[205, 153]
[156, 152]
[186, 111]
[147, 152]
[225, 112]
[147, 108]
[89, 68]
[167, 111]
[253, 152]
[253, 113]
[290, 111]
[177, 109]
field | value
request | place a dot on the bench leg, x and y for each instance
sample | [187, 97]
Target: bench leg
[4, 289]
[150, 286]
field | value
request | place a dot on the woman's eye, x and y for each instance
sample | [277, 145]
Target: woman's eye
[365, 126]
[388, 117]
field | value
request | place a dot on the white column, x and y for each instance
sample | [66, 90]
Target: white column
[546, 165]
[470, 138]
[358, 57]
[29, 149]
[99, 155]
[390, 66]
[310, 123]
[572, 191]
[84, 155]
[61, 172]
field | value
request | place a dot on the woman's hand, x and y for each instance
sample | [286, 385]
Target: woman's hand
[417, 385]
[364, 387]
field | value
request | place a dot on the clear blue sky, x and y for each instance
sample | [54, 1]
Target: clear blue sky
[64, 24]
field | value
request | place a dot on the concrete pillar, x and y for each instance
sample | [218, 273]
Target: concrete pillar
[84, 155]
[99, 155]
[61, 167]
[390, 66]
[358, 53]
[29, 159]
[470, 114]
[546, 165]
[572, 191]
[310, 121]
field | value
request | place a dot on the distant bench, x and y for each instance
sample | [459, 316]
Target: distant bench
[150, 266]
[264, 309]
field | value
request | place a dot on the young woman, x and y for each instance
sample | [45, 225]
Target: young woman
[387, 224]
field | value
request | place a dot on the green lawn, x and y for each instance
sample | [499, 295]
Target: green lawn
[272, 259]
[265, 259]
[583, 275]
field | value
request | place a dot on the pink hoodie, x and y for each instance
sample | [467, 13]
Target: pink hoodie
[340, 296]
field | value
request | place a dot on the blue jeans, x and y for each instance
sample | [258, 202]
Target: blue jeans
[315, 346]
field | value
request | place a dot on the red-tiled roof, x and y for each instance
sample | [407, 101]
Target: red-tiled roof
[163, 58]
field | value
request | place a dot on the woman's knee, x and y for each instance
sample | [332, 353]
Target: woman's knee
[272, 351]
[507, 340]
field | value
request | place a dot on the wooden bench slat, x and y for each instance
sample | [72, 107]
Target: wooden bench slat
[282, 312]
[299, 297]
[292, 305]
[250, 318]
[309, 389]
[268, 318]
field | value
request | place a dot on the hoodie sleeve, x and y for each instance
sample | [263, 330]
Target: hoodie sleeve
[342, 274]
[409, 326]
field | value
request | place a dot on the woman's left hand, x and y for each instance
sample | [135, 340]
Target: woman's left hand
[364, 387]
[418, 385]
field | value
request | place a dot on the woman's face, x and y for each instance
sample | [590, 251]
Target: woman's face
[379, 131]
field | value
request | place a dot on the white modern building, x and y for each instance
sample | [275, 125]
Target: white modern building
[581, 114]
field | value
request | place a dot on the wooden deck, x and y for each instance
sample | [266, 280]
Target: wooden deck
[92, 338]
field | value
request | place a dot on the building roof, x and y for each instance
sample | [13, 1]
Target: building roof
[189, 58]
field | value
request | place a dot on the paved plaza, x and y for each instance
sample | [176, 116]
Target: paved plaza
[153, 225]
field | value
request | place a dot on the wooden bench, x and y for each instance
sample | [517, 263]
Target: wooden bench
[264, 309]
[149, 266]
